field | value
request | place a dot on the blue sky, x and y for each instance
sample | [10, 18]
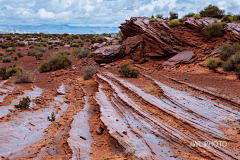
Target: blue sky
[110, 13]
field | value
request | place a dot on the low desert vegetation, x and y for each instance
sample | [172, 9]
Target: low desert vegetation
[211, 63]
[212, 11]
[213, 30]
[3, 73]
[64, 52]
[90, 55]
[1, 53]
[11, 72]
[127, 71]
[38, 55]
[24, 103]
[152, 89]
[159, 16]
[151, 19]
[6, 59]
[196, 16]
[163, 32]
[173, 15]
[174, 23]
[89, 71]
[23, 76]
[227, 50]
[56, 61]
[52, 117]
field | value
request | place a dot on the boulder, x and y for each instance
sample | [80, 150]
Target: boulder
[183, 57]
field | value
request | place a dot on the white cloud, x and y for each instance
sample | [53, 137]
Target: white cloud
[100, 12]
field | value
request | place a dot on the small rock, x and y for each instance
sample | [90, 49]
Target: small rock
[83, 137]
[99, 130]
[108, 66]
[103, 64]
[112, 64]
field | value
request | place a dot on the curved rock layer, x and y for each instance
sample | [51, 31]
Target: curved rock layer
[154, 39]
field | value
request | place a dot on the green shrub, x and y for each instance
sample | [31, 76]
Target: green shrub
[41, 49]
[3, 73]
[188, 15]
[74, 44]
[19, 55]
[227, 18]
[38, 55]
[23, 76]
[41, 44]
[13, 70]
[1, 53]
[212, 11]
[227, 50]
[89, 71]
[151, 19]
[213, 30]
[90, 55]
[211, 63]
[11, 49]
[52, 118]
[152, 89]
[15, 58]
[20, 44]
[31, 46]
[237, 70]
[6, 59]
[174, 23]
[173, 15]
[163, 32]
[180, 20]
[228, 66]
[110, 43]
[24, 103]
[56, 61]
[127, 71]
[159, 16]
[83, 54]
[64, 52]
[100, 38]
[196, 16]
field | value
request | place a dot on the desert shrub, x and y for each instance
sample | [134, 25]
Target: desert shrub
[52, 117]
[127, 71]
[110, 43]
[213, 30]
[11, 49]
[76, 51]
[173, 15]
[31, 46]
[1, 53]
[23, 76]
[90, 55]
[163, 32]
[89, 71]
[32, 53]
[237, 71]
[159, 16]
[41, 44]
[100, 38]
[41, 49]
[120, 41]
[227, 18]
[211, 63]
[7, 59]
[236, 58]
[151, 19]
[228, 65]
[180, 20]
[20, 44]
[196, 16]
[212, 11]
[83, 54]
[15, 58]
[3, 73]
[56, 61]
[74, 44]
[64, 52]
[20, 55]
[227, 50]
[174, 23]
[188, 15]
[24, 103]
[152, 89]
[38, 55]
[13, 70]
